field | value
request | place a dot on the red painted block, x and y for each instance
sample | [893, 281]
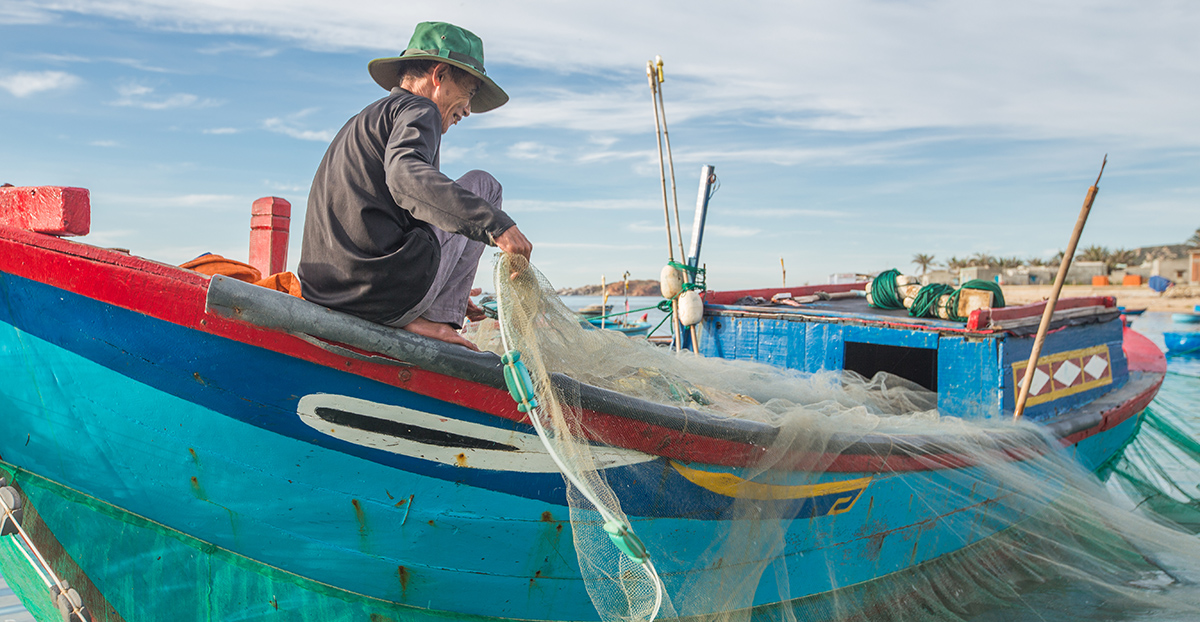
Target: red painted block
[270, 222]
[54, 210]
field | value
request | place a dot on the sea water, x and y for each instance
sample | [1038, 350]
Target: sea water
[646, 304]
[1066, 602]
[1040, 603]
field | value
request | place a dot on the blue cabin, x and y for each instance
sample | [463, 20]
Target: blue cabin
[976, 368]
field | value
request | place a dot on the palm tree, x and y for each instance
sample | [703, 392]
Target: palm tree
[1035, 261]
[923, 261]
[1094, 252]
[1194, 241]
[954, 264]
[1121, 256]
[1009, 262]
[981, 259]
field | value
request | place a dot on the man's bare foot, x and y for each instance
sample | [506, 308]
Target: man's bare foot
[439, 331]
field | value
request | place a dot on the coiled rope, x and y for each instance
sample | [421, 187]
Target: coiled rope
[926, 300]
[883, 291]
[885, 294]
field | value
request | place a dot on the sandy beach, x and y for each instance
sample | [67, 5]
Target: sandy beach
[1180, 298]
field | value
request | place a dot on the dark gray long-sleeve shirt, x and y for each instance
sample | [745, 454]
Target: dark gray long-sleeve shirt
[367, 247]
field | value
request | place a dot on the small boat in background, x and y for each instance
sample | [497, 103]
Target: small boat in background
[1125, 311]
[1185, 318]
[1182, 343]
[601, 315]
[628, 327]
[595, 310]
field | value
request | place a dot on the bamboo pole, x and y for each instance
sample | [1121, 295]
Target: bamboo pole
[1048, 313]
[670, 159]
[652, 75]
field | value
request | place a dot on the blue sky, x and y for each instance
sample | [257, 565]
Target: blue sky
[847, 136]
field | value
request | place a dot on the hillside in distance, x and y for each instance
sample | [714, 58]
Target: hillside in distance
[639, 287]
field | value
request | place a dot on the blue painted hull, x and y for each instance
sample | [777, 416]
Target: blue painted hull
[1182, 343]
[145, 444]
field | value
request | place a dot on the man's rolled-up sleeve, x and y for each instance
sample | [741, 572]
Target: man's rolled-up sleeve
[420, 188]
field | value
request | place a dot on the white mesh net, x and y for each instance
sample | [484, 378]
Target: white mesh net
[997, 510]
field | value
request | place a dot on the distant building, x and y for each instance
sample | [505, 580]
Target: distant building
[1170, 261]
[1080, 273]
[940, 276]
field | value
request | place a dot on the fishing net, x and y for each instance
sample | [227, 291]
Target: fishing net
[862, 502]
[1157, 470]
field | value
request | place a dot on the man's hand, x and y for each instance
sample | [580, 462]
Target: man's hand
[513, 241]
[474, 313]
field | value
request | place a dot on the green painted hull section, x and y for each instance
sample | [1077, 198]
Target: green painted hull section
[146, 569]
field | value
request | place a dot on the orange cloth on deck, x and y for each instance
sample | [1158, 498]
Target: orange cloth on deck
[285, 282]
[211, 264]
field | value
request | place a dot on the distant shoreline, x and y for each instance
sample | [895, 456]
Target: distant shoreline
[1178, 299]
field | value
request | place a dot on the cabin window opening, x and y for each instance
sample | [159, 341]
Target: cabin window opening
[916, 364]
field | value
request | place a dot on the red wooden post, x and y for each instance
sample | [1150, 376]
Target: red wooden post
[54, 210]
[270, 221]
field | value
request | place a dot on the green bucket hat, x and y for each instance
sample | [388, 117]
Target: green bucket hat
[449, 44]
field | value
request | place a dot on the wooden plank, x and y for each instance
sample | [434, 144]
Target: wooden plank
[53, 210]
[892, 337]
[728, 297]
[968, 374]
[982, 318]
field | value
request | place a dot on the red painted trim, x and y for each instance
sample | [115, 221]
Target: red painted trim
[270, 223]
[53, 210]
[1117, 415]
[176, 295]
[982, 318]
[1142, 354]
[728, 297]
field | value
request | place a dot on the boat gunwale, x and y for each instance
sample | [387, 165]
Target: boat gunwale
[692, 435]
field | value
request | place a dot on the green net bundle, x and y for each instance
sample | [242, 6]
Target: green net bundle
[933, 300]
[1046, 520]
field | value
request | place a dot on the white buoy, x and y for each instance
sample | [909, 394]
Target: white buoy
[691, 308]
[670, 282]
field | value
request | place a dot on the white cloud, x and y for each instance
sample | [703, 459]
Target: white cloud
[789, 212]
[526, 205]
[1038, 68]
[286, 187]
[453, 155]
[104, 143]
[290, 126]
[576, 246]
[730, 231]
[26, 83]
[75, 58]
[529, 150]
[199, 200]
[239, 49]
[19, 13]
[645, 226]
[141, 96]
[221, 130]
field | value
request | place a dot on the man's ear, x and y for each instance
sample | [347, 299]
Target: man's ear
[440, 73]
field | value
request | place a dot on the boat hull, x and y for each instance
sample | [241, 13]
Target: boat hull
[1182, 343]
[164, 450]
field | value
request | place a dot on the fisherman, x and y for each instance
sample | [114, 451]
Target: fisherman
[387, 236]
